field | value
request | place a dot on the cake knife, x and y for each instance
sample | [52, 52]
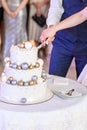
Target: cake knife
[41, 45]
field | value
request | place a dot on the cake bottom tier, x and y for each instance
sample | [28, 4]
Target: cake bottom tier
[23, 94]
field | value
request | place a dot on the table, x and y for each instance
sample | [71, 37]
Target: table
[55, 114]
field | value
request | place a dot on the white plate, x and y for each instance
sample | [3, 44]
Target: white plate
[63, 94]
[61, 86]
[48, 96]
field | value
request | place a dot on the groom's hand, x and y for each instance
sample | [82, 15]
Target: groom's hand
[48, 35]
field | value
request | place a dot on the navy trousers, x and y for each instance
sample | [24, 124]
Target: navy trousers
[62, 54]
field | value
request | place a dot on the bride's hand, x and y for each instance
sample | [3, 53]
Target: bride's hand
[49, 40]
[48, 33]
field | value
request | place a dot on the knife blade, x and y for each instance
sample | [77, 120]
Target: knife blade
[43, 44]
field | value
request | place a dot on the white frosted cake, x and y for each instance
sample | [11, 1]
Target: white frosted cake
[23, 79]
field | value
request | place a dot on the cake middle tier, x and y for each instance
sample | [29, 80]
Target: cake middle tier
[24, 75]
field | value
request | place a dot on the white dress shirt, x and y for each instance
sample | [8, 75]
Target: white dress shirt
[55, 12]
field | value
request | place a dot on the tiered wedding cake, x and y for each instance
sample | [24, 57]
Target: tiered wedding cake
[23, 79]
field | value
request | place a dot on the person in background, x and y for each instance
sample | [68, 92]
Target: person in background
[67, 43]
[15, 16]
[37, 7]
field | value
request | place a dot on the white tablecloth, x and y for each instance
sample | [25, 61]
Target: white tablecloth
[55, 114]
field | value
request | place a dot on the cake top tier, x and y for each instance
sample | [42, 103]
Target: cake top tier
[24, 46]
[25, 52]
[28, 45]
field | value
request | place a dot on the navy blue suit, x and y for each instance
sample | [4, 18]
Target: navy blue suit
[70, 42]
